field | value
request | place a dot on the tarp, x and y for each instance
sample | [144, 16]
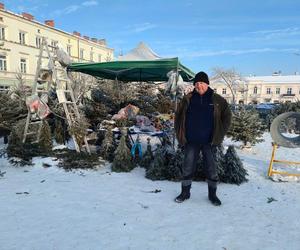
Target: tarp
[147, 70]
[141, 53]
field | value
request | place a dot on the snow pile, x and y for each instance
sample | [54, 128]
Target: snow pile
[45, 207]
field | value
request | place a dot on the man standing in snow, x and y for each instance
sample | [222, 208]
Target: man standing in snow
[201, 122]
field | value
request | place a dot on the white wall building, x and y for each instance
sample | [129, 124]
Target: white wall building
[261, 89]
[20, 39]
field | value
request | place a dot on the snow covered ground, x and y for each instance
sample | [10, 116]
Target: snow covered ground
[48, 208]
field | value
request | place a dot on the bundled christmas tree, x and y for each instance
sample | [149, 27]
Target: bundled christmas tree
[175, 164]
[79, 130]
[123, 160]
[246, 127]
[108, 146]
[16, 148]
[218, 154]
[234, 171]
[163, 167]
[45, 142]
[156, 171]
[59, 134]
[147, 156]
[11, 111]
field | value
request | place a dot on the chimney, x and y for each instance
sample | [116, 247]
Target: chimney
[75, 33]
[28, 16]
[102, 41]
[1, 6]
[95, 40]
[50, 23]
[86, 37]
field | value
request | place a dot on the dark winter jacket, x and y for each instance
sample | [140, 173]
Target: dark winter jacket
[199, 121]
[221, 118]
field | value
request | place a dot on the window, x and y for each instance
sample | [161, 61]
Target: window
[2, 33]
[3, 63]
[91, 56]
[23, 65]
[224, 91]
[53, 45]
[38, 41]
[69, 50]
[277, 91]
[268, 90]
[99, 58]
[3, 88]
[81, 54]
[255, 90]
[289, 91]
[22, 37]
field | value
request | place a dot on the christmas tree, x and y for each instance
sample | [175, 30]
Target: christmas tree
[219, 160]
[79, 129]
[148, 156]
[123, 160]
[59, 131]
[246, 127]
[108, 146]
[163, 167]
[234, 171]
[45, 141]
[156, 171]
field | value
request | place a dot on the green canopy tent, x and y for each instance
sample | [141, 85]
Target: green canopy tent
[134, 71]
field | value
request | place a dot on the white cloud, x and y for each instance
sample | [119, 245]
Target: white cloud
[73, 8]
[141, 27]
[211, 53]
[270, 34]
[90, 3]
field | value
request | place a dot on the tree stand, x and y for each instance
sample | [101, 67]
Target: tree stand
[271, 171]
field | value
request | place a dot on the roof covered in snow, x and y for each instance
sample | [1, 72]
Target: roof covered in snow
[140, 53]
[274, 79]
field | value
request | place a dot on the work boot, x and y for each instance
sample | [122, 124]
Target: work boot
[212, 196]
[185, 194]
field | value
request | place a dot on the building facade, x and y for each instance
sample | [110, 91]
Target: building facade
[20, 40]
[262, 89]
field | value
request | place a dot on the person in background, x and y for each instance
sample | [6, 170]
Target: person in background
[201, 121]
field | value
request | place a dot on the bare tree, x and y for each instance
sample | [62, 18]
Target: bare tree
[233, 80]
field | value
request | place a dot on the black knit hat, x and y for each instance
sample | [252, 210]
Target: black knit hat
[201, 77]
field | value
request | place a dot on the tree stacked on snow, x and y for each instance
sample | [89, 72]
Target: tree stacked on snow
[176, 163]
[147, 156]
[234, 171]
[123, 161]
[79, 129]
[163, 167]
[108, 146]
[59, 133]
[16, 148]
[11, 111]
[246, 127]
[45, 141]
[218, 154]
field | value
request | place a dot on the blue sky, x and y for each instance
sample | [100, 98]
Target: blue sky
[253, 37]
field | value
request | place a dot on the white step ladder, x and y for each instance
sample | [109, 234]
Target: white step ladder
[53, 75]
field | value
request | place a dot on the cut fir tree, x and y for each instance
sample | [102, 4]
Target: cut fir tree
[234, 171]
[123, 160]
[246, 127]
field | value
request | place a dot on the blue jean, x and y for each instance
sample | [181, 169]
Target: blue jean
[191, 156]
